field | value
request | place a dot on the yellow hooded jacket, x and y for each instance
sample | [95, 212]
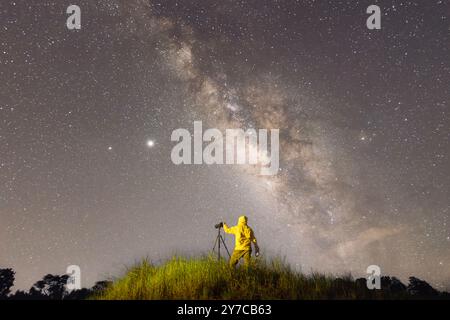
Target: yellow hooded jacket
[243, 234]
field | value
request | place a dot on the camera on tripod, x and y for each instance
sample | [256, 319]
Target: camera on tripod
[219, 241]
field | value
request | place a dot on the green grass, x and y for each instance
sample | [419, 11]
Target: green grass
[206, 278]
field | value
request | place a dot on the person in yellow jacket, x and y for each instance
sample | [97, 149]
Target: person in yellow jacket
[244, 238]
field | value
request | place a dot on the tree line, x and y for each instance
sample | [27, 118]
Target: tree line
[53, 287]
[50, 287]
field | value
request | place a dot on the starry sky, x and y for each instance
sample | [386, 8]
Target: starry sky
[86, 117]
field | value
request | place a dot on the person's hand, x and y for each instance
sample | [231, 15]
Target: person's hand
[256, 250]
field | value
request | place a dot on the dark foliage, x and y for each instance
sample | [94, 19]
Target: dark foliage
[53, 287]
[421, 289]
[6, 282]
[50, 287]
[392, 284]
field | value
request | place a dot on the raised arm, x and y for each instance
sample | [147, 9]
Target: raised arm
[227, 229]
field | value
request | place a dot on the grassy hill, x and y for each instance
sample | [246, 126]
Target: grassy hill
[206, 278]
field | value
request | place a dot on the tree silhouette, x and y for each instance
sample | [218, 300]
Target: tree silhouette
[6, 282]
[80, 294]
[101, 286]
[84, 293]
[50, 287]
[20, 295]
[421, 288]
[392, 284]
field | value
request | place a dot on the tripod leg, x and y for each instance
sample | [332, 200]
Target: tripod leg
[224, 244]
[215, 244]
[218, 254]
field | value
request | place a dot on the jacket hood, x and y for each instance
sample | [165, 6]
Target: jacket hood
[242, 220]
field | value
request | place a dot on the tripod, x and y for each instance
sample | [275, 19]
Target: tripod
[219, 240]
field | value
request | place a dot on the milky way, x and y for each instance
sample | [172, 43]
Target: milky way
[86, 118]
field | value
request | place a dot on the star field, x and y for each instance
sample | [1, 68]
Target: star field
[86, 117]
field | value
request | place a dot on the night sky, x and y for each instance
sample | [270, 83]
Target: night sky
[86, 117]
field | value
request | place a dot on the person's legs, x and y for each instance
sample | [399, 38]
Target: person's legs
[247, 257]
[238, 254]
[235, 256]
